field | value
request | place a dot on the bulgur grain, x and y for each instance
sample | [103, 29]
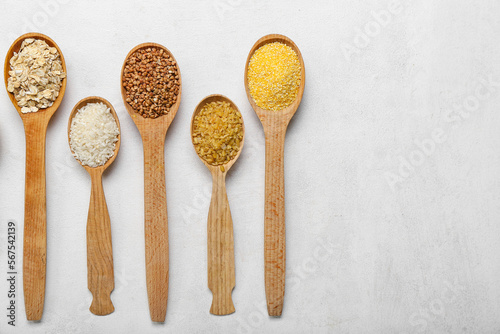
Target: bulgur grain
[217, 133]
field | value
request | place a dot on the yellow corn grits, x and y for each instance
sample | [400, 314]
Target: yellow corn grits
[274, 76]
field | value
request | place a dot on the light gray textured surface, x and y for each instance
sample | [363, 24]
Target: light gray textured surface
[382, 236]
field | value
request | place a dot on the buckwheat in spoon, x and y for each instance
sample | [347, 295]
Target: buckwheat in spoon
[151, 89]
[94, 140]
[218, 133]
[274, 82]
[35, 78]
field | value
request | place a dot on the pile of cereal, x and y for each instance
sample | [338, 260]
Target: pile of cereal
[35, 76]
[217, 133]
[274, 76]
[151, 82]
[93, 134]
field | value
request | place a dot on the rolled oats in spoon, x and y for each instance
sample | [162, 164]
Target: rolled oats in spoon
[35, 75]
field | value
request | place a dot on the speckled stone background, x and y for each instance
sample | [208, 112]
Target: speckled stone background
[392, 166]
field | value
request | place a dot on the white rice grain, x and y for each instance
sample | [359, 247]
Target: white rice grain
[93, 134]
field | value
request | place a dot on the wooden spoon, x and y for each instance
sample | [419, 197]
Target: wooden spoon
[275, 124]
[100, 275]
[35, 210]
[221, 278]
[153, 132]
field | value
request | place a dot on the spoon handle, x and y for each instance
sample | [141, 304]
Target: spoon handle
[156, 223]
[35, 218]
[274, 219]
[221, 277]
[100, 274]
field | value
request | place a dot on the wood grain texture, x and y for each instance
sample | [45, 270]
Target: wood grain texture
[220, 239]
[35, 210]
[156, 223]
[220, 247]
[100, 272]
[275, 124]
[153, 133]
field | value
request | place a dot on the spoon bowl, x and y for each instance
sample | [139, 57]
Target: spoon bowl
[82, 103]
[275, 124]
[153, 132]
[35, 209]
[289, 111]
[199, 107]
[15, 47]
[220, 241]
[100, 273]
[139, 120]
